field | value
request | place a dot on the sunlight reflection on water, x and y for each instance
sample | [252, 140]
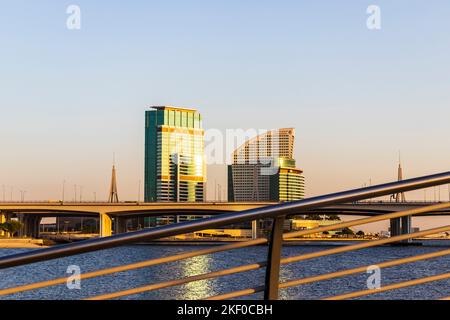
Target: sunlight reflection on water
[209, 263]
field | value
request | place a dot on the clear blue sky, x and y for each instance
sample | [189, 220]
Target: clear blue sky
[69, 99]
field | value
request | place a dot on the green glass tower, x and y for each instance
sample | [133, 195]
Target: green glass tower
[174, 155]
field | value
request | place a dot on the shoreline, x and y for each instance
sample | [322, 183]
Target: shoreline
[6, 243]
[41, 244]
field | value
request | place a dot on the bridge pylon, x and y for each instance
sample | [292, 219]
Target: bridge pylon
[400, 225]
[113, 193]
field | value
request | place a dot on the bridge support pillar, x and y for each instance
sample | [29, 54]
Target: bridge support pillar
[120, 225]
[2, 220]
[401, 226]
[255, 229]
[407, 226]
[35, 221]
[23, 219]
[30, 228]
[105, 225]
[37, 224]
[395, 227]
[140, 223]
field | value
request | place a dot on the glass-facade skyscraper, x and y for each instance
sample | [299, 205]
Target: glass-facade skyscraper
[174, 155]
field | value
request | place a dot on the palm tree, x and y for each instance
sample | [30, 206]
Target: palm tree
[3, 227]
[360, 233]
[11, 227]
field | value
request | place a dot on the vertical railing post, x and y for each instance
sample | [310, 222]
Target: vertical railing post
[273, 261]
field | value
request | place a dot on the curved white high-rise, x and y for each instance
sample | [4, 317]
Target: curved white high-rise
[264, 169]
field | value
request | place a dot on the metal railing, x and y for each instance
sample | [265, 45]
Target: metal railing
[274, 261]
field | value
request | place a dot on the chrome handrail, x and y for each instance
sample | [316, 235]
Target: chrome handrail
[285, 209]
[275, 241]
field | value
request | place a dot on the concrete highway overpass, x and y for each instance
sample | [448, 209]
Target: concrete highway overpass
[31, 213]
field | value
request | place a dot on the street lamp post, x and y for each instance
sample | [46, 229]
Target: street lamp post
[22, 195]
[63, 190]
